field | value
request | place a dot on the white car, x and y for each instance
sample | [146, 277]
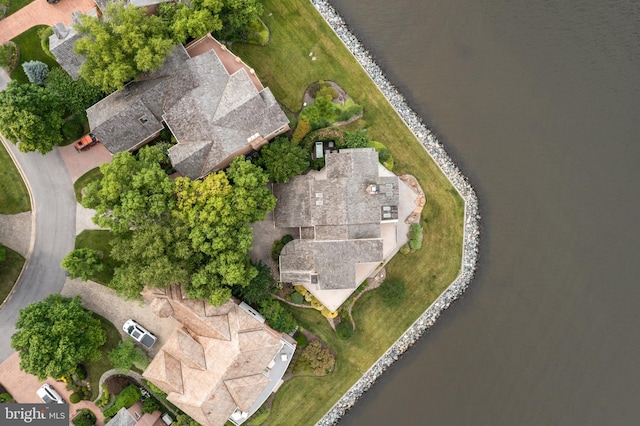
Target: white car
[139, 333]
[49, 395]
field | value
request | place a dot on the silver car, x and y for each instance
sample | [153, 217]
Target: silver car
[139, 333]
[49, 395]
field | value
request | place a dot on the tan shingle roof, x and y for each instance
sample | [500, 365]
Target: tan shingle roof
[215, 363]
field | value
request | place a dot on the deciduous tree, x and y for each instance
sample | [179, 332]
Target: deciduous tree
[283, 160]
[56, 334]
[82, 263]
[31, 117]
[127, 354]
[131, 193]
[122, 45]
[278, 317]
[76, 96]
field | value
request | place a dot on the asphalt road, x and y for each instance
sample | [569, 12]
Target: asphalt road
[54, 232]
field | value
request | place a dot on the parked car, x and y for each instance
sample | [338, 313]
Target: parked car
[85, 142]
[139, 333]
[49, 395]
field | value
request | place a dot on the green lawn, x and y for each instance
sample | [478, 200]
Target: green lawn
[14, 197]
[9, 270]
[96, 369]
[297, 29]
[84, 180]
[15, 5]
[99, 240]
[30, 49]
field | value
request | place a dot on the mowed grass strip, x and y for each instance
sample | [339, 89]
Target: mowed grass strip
[30, 50]
[10, 269]
[14, 197]
[84, 180]
[286, 67]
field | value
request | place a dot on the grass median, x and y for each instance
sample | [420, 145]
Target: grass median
[14, 197]
[286, 67]
[10, 269]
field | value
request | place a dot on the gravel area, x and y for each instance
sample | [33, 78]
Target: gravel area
[103, 301]
[15, 232]
[471, 226]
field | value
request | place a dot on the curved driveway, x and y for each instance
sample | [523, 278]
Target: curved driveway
[53, 230]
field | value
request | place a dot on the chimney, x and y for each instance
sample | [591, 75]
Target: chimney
[60, 30]
[75, 16]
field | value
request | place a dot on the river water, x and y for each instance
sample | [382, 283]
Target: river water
[539, 103]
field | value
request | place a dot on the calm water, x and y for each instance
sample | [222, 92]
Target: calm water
[539, 102]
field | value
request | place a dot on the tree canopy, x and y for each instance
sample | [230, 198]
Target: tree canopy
[76, 96]
[282, 160]
[56, 334]
[127, 354]
[122, 45]
[132, 192]
[82, 263]
[194, 233]
[218, 210]
[31, 117]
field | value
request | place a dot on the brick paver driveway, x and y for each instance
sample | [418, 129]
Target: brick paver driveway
[23, 387]
[40, 12]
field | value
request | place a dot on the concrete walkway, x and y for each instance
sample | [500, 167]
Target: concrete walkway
[40, 12]
[15, 232]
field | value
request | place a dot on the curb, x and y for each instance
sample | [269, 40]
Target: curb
[33, 221]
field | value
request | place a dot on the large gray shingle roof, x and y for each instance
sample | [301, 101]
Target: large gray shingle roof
[212, 114]
[345, 215]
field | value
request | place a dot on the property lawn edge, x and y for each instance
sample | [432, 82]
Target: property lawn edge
[13, 257]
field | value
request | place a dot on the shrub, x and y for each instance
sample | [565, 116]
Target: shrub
[6, 397]
[405, 249]
[344, 330]
[278, 316]
[154, 388]
[81, 372]
[415, 236]
[44, 34]
[84, 418]
[393, 292]
[327, 313]
[301, 289]
[317, 164]
[85, 392]
[327, 92]
[36, 71]
[302, 129]
[82, 263]
[278, 245]
[127, 354]
[316, 304]
[357, 139]
[297, 298]
[105, 397]
[75, 398]
[150, 405]
[9, 56]
[301, 339]
[129, 396]
[320, 359]
[73, 128]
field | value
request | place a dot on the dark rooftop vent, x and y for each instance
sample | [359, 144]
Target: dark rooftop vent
[314, 279]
